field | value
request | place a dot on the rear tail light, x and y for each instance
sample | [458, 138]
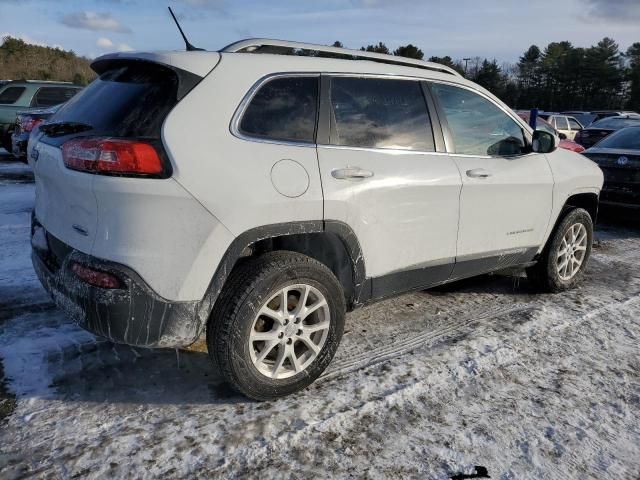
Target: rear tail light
[96, 278]
[111, 156]
[27, 124]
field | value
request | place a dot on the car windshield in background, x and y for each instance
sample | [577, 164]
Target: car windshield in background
[585, 119]
[625, 139]
[616, 123]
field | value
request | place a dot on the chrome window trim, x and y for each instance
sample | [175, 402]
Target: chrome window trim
[234, 126]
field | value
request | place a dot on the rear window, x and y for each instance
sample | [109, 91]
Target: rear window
[130, 99]
[50, 96]
[616, 123]
[10, 95]
[625, 139]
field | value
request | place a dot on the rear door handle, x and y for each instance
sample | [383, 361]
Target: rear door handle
[351, 173]
[478, 173]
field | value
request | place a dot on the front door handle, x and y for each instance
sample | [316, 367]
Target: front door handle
[478, 173]
[347, 173]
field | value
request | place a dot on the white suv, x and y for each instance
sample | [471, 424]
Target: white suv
[259, 197]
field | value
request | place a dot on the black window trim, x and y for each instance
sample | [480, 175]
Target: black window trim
[448, 137]
[235, 129]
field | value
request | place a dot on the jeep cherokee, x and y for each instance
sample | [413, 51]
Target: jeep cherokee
[255, 196]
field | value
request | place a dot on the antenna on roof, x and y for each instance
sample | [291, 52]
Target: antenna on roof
[190, 48]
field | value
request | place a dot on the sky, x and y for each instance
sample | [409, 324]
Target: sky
[500, 29]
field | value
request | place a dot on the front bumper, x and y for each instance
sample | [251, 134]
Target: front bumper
[134, 314]
[620, 194]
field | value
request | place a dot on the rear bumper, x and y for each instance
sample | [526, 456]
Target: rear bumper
[19, 145]
[134, 314]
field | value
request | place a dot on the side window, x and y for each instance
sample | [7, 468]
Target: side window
[10, 95]
[574, 124]
[478, 126]
[50, 96]
[283, 109]
[380, 113]
[561, 123]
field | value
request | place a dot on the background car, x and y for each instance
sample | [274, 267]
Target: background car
[25, 123]
[565, 124]
[601, 128]
[23, 95]
[542, 124]
[618, 156]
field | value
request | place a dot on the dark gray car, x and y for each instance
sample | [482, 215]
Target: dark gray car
[618, 156]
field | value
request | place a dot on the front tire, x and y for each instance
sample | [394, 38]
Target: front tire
[565, 257]
[276, 325]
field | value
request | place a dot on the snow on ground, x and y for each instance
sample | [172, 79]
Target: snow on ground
[425, 385]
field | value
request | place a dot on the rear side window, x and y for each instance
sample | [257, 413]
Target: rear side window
[130, 99]
[380, 113]
[478, 126]
[561, 123]
[10, 95]
[50, 96]
[283, 109]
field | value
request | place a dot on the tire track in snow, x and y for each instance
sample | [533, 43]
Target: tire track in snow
[410, 343]
[260, 451]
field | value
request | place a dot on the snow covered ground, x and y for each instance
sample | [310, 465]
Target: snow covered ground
[426, 385]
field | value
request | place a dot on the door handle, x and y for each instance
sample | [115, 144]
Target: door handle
[347, 173]
[478, 173]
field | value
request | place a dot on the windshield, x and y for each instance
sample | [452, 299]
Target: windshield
[616, 122]
[625, 139]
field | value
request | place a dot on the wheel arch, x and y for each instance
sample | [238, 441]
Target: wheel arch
[586, 200]
[332, 243]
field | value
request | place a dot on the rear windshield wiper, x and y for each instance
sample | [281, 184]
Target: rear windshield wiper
[64, 128]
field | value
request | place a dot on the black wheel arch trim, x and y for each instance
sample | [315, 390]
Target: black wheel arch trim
[234, 253]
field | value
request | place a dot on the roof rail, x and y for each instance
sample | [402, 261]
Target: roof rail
[254, 44]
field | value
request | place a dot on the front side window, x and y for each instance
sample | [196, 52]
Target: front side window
[10, 95]
[380, 113]
[478, 126]
[573, 123]
[283, 109]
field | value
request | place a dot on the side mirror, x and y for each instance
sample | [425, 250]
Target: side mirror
[544, 142]
[562, 136]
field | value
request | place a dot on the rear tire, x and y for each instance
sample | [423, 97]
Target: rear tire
[276, 325]
[566, 254]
